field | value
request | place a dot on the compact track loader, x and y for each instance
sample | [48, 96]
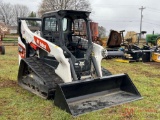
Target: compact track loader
[60, 62]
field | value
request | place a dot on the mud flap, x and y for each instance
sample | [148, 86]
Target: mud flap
[85, 96]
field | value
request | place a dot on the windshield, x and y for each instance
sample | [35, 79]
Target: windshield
[79, 27]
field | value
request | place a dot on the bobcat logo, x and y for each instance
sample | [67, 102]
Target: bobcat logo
[81, 64]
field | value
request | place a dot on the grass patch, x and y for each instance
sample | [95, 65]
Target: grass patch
[10, 39]
[18, 104]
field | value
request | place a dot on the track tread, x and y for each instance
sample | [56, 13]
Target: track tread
[46, 73]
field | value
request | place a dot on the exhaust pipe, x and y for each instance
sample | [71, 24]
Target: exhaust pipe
[81, 97]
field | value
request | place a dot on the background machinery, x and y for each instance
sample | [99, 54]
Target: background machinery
[129, 45]
[156, 54]
[2, 48]
[154, 39]
[58, 63]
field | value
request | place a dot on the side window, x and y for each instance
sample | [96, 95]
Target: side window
[64, 24]
[51, 24]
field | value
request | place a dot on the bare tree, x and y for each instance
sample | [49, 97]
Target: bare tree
[6, 10]
[102, 31]
[9, 12]
[20, 11]
[53, 5]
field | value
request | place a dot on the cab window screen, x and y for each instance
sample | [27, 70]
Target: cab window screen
[51, 24]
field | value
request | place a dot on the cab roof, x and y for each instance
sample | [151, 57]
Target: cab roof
[69, 13]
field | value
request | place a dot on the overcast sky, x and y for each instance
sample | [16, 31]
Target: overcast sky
[117, 14]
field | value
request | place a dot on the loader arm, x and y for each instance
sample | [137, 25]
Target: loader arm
[37, 42]
[100, 53]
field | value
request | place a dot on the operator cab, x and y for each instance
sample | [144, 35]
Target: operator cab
[69, 30]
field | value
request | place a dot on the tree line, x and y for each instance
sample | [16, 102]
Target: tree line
[10, 12]
[54, 5]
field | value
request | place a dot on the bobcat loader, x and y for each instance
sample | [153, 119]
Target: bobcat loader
[60, 62]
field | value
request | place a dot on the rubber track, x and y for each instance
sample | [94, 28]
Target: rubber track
[47, 74]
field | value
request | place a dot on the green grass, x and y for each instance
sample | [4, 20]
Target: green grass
[18, 104]
[10, 39]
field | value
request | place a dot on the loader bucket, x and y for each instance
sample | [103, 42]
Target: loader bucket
[85, 96]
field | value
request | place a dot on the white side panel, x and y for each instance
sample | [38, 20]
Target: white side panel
[20, 43]
[97, 49]
[63, 69]
[19, 59]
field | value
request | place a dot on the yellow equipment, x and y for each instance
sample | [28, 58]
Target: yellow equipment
[156, 57]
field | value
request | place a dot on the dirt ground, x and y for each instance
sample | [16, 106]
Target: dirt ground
[154, 64]
[8, 83]
[19, 104]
